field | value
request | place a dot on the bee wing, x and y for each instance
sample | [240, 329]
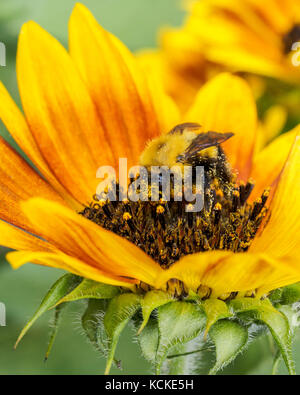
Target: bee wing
[205, 140]
[190, 126]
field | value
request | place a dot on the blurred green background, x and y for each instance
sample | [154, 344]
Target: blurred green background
[136, 22]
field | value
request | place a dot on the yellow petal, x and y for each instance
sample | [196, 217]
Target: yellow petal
[284, 274]
[17, 239]
[60, 112]
[181, 88]
[16, 124]
[116, 83]
[225, 272]
[269, 162]
[167, 111]
[169, 115]
[82, 239]
[19, 182]
[226, 104]
[62, 261]
[272, 124]
[183, 50]
[236, 34]
[238, 59]
[281, 236]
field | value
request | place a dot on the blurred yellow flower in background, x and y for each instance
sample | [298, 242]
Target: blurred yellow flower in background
[177, 66]
[249, 35]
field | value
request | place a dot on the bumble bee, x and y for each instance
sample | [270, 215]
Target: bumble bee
[185, 144]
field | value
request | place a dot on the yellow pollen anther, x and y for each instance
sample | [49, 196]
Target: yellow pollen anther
[258, 200]
[102, 202]
[236, 193]
[189, 208]
[218, 206]
[160, 210]
[219, 193]
[127, 216]
[244, 244]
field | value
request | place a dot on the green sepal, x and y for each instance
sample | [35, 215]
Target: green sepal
[92, 324]
[230, 338]
[54, 329]
[63, 286]
[179, 362]
[293, 319]
[292, 316]
[214, 310]
[276, 360]
[89, 289]
[277, 322]
[148, 339]
[275, 295]
[151, 301]
[290, 294]
[120, 309]
[178, 322]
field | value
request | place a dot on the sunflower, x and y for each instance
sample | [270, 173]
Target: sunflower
[94, 105]
[248, 35]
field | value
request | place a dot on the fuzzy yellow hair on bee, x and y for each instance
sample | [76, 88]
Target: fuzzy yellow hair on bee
[164, 150]
[181, 146]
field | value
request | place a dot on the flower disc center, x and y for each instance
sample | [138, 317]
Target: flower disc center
[166, 231]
